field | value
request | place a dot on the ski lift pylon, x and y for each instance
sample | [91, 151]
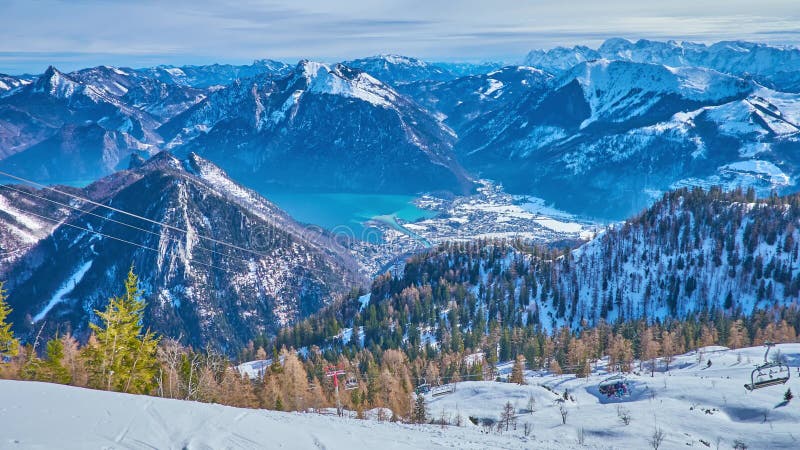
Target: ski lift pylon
[769, 373]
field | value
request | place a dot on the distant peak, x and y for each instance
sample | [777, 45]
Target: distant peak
[51, 70]
[400, 59]
[56, 83]
[162, 160]
[311, 68]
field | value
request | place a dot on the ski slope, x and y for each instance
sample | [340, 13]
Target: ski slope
[691, 403]
[48, 416]
[695, 405]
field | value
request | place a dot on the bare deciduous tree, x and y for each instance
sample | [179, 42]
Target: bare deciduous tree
[624, 415]
[508, 416]
[656, 438]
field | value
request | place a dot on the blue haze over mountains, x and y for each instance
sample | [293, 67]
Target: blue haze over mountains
[620, 123]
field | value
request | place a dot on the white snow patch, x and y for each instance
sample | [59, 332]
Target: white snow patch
[64, 290]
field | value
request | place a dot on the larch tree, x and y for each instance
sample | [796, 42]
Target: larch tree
[120, 356]
[518, 371]
[651, 348]
[668, 347]
[9, 346]
[737, 335]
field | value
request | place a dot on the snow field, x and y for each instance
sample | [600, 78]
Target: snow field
[692, 404]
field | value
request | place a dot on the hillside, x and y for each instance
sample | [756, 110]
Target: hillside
[106, 419]
[227, 266]
[693, 404]
[323, 128]
[696, 255]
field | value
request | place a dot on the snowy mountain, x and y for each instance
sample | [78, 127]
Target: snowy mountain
[775, 67]
[397, 70]
[54, 105]
[135, 420]
[463, 100]
[612, 135]
[214, 75]
[595, 132]
[328, 128]
[141, 90]
[240, 267]
[9, 83]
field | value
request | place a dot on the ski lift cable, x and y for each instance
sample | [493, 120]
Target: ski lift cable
[119, 239]
[66, 205]
[136, 216]
[172, 227]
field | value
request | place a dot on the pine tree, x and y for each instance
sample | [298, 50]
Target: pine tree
[9, 346]
[419, 415]
[119, 356]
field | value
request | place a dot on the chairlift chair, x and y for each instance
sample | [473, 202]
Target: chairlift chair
[768, 374]
[443, 389]
[351, 383]
[615, 386]
[422, 388]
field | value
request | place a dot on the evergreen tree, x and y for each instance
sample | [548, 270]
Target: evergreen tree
[419, 415]
[9, 346]
[119, 356]
[51, 369]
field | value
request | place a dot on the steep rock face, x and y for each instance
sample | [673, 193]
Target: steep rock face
[240, 267]
[321, 128]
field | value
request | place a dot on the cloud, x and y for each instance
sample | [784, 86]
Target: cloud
[80, 33]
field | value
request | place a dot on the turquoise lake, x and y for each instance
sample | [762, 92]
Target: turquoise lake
[346, 212]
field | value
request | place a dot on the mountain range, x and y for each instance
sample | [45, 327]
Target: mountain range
[598, 132]
[603, 133]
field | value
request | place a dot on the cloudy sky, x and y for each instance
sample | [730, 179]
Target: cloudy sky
[79, 33]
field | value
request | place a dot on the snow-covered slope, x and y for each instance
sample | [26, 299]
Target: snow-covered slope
[693, 404]
[40, 415]
[9, 83]
[619, 91]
